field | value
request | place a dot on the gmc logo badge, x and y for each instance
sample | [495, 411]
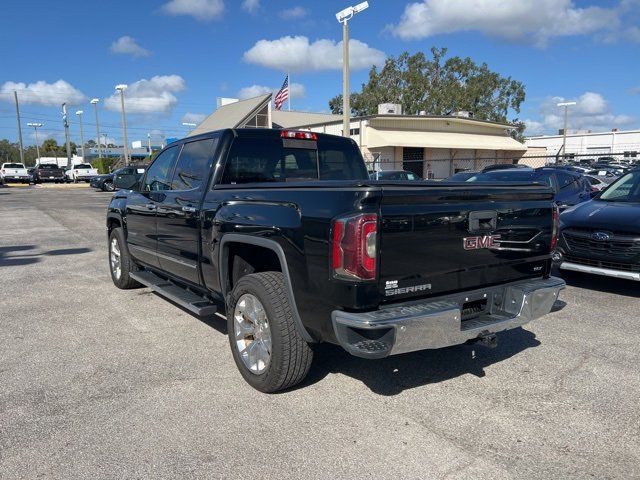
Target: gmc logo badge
[476, 243]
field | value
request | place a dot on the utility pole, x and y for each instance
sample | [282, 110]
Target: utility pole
[149, 144]
[66, 133]
[566, 106]
[121, 88]
[94, 102]
[35, 127]
[79, 114]
[15, 95]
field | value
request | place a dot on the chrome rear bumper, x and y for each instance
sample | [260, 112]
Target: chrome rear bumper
[438, 322]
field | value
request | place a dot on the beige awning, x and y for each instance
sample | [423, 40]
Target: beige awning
[471, 141]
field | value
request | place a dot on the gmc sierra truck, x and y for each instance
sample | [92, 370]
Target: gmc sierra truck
[285, 232]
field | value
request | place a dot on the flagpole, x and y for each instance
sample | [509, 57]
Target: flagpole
[289, 82]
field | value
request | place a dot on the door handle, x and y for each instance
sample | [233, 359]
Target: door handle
[189, 209]
[151, 206]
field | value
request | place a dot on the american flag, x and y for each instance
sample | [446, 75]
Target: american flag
[283, 94]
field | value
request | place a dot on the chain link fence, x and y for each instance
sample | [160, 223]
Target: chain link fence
[438, 169]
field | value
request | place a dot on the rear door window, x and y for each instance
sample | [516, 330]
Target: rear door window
[194, 164]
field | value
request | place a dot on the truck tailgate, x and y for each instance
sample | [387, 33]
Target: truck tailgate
[438, 239]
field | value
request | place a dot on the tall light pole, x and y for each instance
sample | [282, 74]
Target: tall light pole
[79, 114]
[94, 102]
[149, 144]
[566, 106]
[15, 96]
[36, 126]
[65, 122]
[121, 88]
[343, 17]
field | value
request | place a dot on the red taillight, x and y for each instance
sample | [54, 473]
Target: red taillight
[354, 248]
[298, 135]
[554, 232]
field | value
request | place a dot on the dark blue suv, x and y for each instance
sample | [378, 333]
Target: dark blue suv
[571, 187]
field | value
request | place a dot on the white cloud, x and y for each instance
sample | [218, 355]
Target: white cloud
[251, 6]
[155, 95]
[202, 10]
[634, 90]
[294, 13]
[43, 93]
[592, 112]
[127, 45]
[193, 117]
[299, 55]
[534, 21]
[297, 90]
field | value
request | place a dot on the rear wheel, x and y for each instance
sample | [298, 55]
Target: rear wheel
[265, 343]
[120, 261]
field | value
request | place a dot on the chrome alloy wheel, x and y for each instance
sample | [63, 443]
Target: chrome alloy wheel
[114, 257]
[252, 333]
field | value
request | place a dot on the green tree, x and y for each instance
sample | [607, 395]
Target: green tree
[438, 86]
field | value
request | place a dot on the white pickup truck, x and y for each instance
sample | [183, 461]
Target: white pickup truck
[82, 172]
[14, 172]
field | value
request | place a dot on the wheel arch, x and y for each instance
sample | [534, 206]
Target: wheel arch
[226, 246]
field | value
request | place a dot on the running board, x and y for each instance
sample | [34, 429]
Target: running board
[183, 297]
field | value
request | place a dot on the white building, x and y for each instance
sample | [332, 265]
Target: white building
[616, 143]
[432, 147]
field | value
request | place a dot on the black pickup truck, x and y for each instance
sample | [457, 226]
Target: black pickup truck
[285, 232]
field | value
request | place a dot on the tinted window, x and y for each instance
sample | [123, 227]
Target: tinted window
[568, 183]
[512, 175]
[13, 165]
[194, 164]
[270, 160]
[83, 165]
[160, 170]
[48, 166]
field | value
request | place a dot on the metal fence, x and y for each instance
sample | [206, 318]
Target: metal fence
[445, 167]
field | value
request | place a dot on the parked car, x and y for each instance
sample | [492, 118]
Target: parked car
[603, 236]
[14, 172]
[48, 172]
[394, 175]
[502, 166]
[126, 178]
[82, 172]
[570, 187]
[597, 183]
[461, 176]
[285, 229]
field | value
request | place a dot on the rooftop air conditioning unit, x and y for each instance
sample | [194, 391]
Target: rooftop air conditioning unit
[462, 113]
[389, 109]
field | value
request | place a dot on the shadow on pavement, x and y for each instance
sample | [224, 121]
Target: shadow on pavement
[16, 255]
[393, 375]
[617, 286]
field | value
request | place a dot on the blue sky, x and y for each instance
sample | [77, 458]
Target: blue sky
[179, 55]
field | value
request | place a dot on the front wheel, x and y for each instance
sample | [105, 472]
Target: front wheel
[108, 186]
[265, 343]
[120, 261]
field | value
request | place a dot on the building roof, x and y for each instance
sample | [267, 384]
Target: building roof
[286, 119]
[463, 141]
[232, 115]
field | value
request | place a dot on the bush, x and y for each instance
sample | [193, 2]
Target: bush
[104, 164]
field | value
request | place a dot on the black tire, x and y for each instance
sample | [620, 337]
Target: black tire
[127, 265]
[108, 186]
[291, 355]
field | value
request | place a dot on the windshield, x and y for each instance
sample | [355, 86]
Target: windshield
[512, 176]
[14, 165]
[626, 189]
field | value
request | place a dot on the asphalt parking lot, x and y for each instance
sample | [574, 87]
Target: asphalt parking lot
[102, 383]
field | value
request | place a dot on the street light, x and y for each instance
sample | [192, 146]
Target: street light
[94, 102]
[343, 17]
[566, 106]
[79, 114]
[121, 88]
[36, 126]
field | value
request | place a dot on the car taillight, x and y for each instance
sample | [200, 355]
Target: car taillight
[354, 248]
[298, 135]
[556, 226]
